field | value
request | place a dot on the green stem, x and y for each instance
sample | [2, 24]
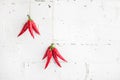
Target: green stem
[29, 17]
[52, 46]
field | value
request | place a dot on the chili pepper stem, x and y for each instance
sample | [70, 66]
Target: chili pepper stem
[29, 17]
[52, 46]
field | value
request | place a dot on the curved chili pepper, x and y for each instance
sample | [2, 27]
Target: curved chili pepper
[49, 56]
[23, 29]
[56, 59]
[30, 28]
[30, 25]
[35, 28]
[56, 52]
[45, 55]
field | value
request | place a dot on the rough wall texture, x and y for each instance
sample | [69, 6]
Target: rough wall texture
[86, 32]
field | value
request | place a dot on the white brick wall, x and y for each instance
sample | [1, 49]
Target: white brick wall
[86, 33]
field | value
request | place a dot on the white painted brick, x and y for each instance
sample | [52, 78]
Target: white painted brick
[86, 33]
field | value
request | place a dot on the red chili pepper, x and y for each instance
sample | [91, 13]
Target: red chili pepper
[23, 29]
[52, 51]
[35, 28]
[49, 56]
[30, 25]
[30, 28]
[56, 59]
[56, 52]
[45, 55]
